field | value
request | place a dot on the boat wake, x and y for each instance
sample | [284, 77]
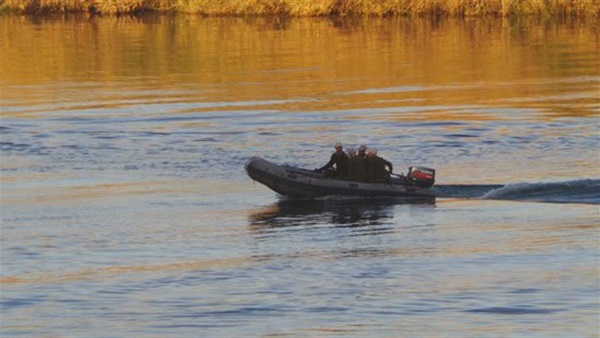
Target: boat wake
[575, 191]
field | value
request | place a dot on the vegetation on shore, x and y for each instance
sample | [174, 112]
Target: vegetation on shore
[313, 7]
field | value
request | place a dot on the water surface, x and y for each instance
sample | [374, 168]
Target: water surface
[126, 210]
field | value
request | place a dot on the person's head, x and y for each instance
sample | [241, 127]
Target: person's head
[362, 149]
[351, 152]
[372, 152]
[339, 147]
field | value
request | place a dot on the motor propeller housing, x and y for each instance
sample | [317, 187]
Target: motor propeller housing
[421, 176]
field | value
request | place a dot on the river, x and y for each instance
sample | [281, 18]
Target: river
[126, 210]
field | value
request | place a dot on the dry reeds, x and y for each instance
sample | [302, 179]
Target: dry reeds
[314, 7]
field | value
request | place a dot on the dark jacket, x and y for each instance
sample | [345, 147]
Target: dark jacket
[357, 169]
[376, 169]
[341, 164]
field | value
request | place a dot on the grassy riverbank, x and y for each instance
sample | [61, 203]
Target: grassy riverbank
[313, 7]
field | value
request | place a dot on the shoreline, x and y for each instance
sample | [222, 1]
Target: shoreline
[308, 8]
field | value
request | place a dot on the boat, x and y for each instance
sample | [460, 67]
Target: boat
[297, 182]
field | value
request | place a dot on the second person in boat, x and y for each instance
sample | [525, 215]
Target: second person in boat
[357, 168]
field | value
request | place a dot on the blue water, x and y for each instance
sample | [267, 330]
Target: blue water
[126, 210]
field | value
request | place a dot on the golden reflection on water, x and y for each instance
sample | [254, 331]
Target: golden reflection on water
[442, 62]
[98, 273]
[55, 193]
[80, 193]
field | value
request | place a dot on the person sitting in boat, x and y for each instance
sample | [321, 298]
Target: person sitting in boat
[339, 159]
[351, 153]
[376, 167]
[357, 169]
[362, 151]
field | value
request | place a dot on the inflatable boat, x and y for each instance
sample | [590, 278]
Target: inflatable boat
[297, 182]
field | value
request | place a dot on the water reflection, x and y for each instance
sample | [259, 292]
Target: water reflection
[340, 213]
[266, 61]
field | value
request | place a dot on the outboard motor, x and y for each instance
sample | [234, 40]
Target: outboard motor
[421, 176]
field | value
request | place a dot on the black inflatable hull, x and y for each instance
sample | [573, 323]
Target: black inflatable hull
[291, 181]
